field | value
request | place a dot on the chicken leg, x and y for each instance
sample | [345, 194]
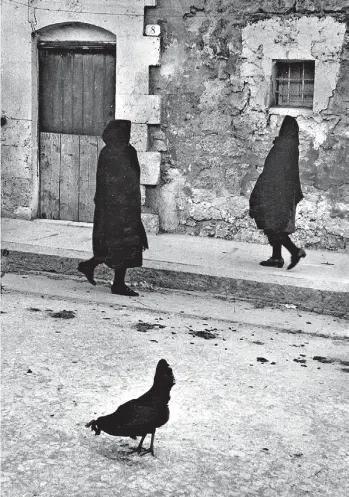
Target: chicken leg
[139, 448]
[151, 448]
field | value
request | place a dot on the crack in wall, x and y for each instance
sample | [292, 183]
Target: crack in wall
[193, 10]
[290, 10]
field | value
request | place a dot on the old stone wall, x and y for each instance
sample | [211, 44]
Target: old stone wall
[217, 124]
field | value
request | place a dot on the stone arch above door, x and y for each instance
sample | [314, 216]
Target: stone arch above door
[75, 31]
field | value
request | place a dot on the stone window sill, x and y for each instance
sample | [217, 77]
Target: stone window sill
[291, 111]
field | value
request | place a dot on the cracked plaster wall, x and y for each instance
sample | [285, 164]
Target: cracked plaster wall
[217, 128]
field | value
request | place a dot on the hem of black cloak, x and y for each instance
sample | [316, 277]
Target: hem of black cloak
[123, 264]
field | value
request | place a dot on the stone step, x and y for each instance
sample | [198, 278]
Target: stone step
[151, 223]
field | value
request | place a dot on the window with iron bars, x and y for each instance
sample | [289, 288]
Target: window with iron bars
[293, 84]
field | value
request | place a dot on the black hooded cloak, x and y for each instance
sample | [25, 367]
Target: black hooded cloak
[119, 237]
[277, 191]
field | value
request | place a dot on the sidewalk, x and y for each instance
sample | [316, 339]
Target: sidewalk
[226, 268]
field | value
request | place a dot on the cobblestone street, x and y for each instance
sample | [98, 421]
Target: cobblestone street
[260, 406]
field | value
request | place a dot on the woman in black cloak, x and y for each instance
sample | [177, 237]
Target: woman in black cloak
[276, 194]
[119, 237]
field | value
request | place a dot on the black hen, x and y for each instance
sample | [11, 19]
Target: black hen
[141, 416]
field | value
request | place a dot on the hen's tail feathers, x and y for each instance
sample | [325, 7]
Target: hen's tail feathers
[164, 375]
[94, 426]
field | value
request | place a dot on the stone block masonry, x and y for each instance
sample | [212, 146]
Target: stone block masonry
[218, 124]
[150, 167]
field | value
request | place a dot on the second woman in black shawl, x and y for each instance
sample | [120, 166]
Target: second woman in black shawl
[119, 237]
[276, 194]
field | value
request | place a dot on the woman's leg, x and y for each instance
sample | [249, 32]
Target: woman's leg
[276, 259]
[119, 277]
[276, 251]
[88, 268]
[119, 287]
[288, 244]
[296, 252]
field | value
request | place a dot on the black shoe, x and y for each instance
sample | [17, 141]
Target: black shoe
[88, 271]
[296, 258]
[123, 290]
[273, 262]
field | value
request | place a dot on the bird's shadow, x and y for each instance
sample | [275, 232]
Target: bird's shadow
[122, 453]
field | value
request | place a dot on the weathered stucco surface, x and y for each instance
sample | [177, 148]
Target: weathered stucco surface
[217, 127]
[305, 38]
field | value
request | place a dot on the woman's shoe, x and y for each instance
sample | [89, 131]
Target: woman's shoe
[123, 290]
[88, 271]
[273, 262]
[296, 258]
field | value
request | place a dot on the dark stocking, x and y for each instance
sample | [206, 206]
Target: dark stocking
[289, 245]
[93, 262]
[276, 251]
[275, 241]
[119, 287]
[119, 277]
[88, 267]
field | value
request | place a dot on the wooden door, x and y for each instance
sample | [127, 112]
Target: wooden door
[76, 101]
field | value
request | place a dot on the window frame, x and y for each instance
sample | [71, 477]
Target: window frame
[274, 77]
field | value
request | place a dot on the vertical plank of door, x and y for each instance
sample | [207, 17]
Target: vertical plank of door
[45, 91]
[109, 88]
[98, 93]
[50, 158]
[88, 90]
[78, 89]
[57, 93]
[67, 92]
[87, 180]
[69, 178]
